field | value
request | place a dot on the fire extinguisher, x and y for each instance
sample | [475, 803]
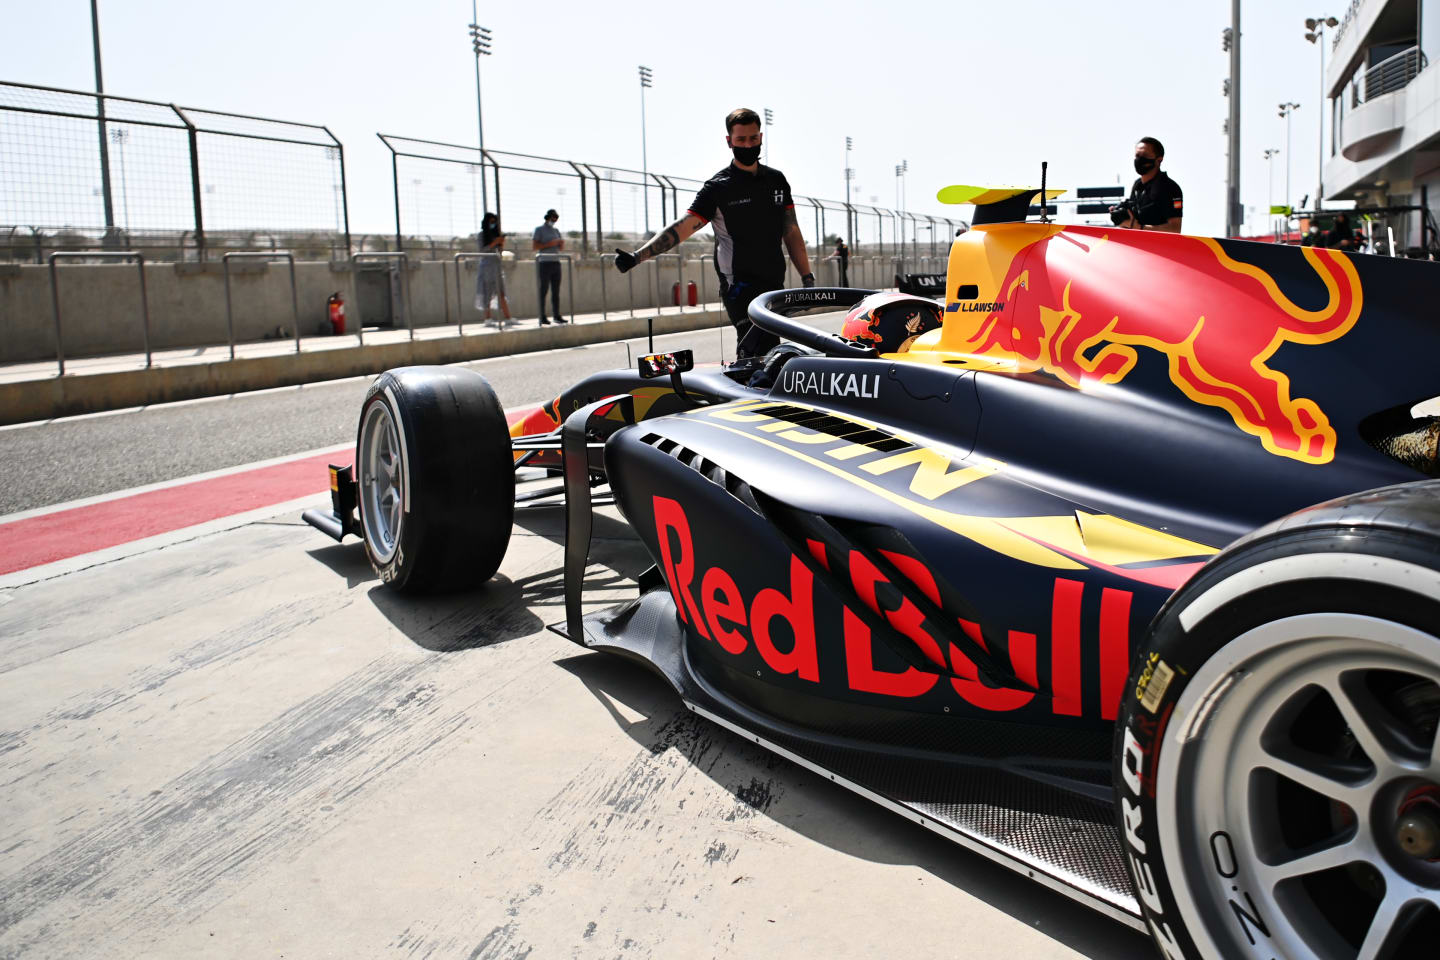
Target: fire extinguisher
[691, 296]
[336, 305]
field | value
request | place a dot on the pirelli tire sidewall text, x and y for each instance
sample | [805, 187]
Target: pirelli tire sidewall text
[459, 466]
[1142, 729]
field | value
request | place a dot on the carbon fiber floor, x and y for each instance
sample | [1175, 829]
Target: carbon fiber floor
[1071, 838]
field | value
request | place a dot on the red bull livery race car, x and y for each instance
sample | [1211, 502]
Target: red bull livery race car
[1118, 565]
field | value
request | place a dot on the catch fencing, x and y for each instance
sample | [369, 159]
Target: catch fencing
[441, 190]
[84, 171]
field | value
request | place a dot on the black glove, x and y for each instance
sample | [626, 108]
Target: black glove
[808, 280]
[624, 260]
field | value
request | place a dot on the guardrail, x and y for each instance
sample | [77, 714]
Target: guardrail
[123, 255]
[604, 295]
[1392, 73]
[459, 299]
[384, 257]
[679, 279]
[294, 291]
[704, 297]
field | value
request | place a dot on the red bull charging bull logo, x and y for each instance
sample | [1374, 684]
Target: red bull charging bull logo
[1079, 303]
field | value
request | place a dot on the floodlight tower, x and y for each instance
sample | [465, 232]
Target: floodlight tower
[849, 175]
[480, 42]
[1234, 215]
[769, 119]
[645, 82]
[1270, 153]
[1286, 109]
[1314, 31]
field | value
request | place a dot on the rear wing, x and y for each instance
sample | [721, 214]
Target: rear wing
[1015, 204]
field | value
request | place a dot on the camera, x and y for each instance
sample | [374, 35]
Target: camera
[1122, 211]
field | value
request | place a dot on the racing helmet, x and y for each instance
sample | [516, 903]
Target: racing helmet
[890, 322]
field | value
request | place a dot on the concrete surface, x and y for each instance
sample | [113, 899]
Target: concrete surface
[35, 391]
[242, 746]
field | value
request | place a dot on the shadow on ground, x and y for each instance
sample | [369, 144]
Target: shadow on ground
[503, 608]
[828, 814]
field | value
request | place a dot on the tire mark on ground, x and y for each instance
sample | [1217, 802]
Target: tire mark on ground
[267, 795]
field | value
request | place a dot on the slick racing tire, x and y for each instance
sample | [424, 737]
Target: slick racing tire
[435, 477]
[1277, 770]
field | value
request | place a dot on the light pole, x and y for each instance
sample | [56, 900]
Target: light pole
[849, 175]
[119, 135]
[1270, 174]
[105, 193]
[1314, 31]
[1286, 109]
[480, 41]
[1234, 214]
[769, 119]
[415, 183]
[450, 206]
[645, 82]
[901, 169]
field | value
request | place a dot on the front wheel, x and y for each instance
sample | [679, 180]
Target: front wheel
[435, 478]
[1277, 767]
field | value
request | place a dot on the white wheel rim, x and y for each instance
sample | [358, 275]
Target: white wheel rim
[382, 482]
[1243, 796]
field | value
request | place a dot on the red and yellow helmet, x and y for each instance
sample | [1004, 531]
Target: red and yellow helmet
[890, 322]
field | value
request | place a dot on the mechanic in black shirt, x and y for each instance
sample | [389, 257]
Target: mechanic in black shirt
[1156, 202]
[1341, 235]
[750, 207]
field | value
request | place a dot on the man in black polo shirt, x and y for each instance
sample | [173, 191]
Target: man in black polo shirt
[750, 207]
[1156, 202]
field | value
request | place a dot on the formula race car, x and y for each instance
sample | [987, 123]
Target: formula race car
[1118, 565]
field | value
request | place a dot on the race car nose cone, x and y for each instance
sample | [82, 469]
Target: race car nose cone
[1418, 833]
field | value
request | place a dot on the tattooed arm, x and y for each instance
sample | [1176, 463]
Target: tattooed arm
[795, 243]
[669, 238]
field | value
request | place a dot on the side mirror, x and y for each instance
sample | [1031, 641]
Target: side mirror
[665, 364]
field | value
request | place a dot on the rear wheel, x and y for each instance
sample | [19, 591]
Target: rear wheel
[436, 479]
[1278, 773]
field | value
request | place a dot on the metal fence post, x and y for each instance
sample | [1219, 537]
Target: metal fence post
[459, 300]
[395, 184]
[819, 230]
[599, 214]
[604, 303]
[199, 215]
[703, 257]
[570, 282]
[344, 192]
[584, 225]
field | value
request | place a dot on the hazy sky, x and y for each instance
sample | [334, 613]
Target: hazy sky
[966, 92]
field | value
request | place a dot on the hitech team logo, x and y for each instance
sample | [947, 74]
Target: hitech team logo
[1080, 303]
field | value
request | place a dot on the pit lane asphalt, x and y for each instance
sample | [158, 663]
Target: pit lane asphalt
[242, 744]
[62, 460]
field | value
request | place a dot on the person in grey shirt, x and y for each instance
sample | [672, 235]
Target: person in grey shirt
[548, 243]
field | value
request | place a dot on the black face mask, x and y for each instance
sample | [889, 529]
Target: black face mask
[1144, 165]
[746, 155]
